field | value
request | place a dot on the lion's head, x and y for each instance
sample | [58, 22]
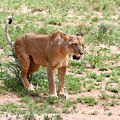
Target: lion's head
[75, 45]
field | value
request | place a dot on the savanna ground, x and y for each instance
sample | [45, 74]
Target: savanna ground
[93, 83]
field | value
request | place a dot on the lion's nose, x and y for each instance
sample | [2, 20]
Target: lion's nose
[81, 53]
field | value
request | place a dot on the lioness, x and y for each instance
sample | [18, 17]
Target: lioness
[51, 51]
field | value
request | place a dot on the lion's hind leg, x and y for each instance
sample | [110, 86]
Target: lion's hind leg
[24, 60]
[33, 67]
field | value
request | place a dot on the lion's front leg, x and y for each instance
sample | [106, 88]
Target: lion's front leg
[52, 87]
[61, 77]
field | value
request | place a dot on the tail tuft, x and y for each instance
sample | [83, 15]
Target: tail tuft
[9, 20]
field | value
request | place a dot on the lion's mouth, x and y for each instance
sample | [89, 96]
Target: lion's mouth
[76, 57]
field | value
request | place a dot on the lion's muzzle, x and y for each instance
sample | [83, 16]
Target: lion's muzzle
[76, 57]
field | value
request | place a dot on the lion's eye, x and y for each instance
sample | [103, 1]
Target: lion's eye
[83, 45]
[75, 44]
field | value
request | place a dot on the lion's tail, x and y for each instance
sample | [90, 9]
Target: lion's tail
[8, 39]
[8, 21]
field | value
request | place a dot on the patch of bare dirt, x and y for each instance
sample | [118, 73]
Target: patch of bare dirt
[9, 98]
[24, 9]
[80, 116]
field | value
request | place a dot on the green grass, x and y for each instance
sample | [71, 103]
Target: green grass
[25, 99]
[27, 108]
[73, 84]
[104, 96]
[3, 90]
[113, 87]
[53, 117]
[69, 106]
[89, 100]
[10, 108]
[52, 100]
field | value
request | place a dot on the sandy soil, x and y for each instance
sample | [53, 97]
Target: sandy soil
[83, 112]
[10, 97]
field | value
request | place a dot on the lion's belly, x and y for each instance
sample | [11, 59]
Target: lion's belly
[40, 60]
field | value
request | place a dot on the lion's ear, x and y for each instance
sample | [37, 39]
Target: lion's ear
[66, 37]
[80, 37]
[79, 34]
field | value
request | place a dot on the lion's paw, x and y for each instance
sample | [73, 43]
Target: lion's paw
[31, 87]
[64, 95]
[53, 95]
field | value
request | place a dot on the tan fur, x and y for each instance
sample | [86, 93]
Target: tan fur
[51, 51]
